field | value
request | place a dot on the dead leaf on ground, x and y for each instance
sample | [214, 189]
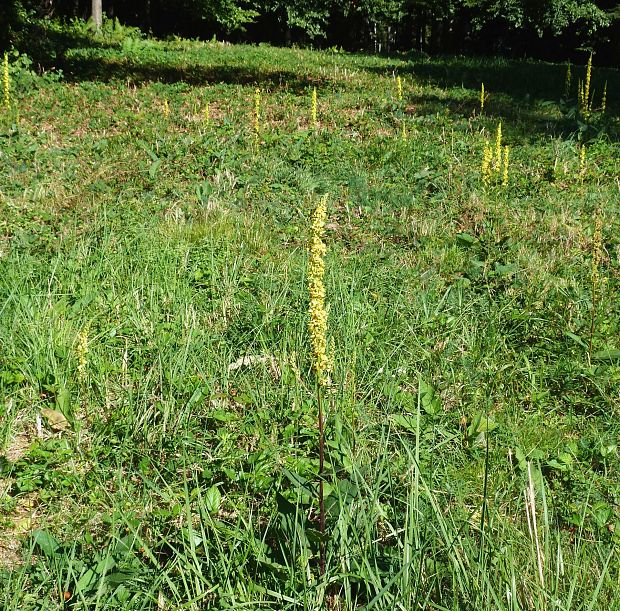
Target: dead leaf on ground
[56, 420]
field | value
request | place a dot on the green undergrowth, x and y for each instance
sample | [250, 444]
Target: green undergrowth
[158, 431]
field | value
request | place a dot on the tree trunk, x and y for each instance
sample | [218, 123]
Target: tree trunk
[97, 14]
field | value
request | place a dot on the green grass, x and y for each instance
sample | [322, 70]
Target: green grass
[464, 397]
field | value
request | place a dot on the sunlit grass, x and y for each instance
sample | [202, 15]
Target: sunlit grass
[153, 282]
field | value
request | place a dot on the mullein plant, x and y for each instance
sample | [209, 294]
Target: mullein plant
[207, 114]
[166, 109]
[495, 159]
[487, 160]
[584, 100]
[317, 327]
[567, 81]
[81, 352]
[482, 98]
[6, 82]
[399, 88]
[597, 257]
[604, 98]
[505, 166]
[582, 161]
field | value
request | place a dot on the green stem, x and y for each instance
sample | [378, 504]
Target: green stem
[321, 467]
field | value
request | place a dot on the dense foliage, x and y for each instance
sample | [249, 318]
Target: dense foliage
[549, 29]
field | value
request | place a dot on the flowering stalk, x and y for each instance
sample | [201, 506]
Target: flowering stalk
[6, 82]
[498, 147]
[487, 159]
[166, 109]
[585, 102]
[481, 98]
[207, 113]
[399, 88]
[582, 161]
[597, 257]
[587, 84]
[567, 81]
[317, 327]
[316, 289]
[505, 167]
[604, 99]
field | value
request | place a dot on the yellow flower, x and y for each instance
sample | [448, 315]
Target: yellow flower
[582, 161]
[81, 351]
[597, 248]
[207, 113]
[585, 102]
[567, 81]
[317, 325]
[487, 158]
[588, 79]
[604, 99]
[399, 88]
[481, 97]
[498, 147]
[166, 109]
[6, 83]
[505, 168]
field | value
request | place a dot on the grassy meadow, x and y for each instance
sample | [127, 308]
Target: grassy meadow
[158, 423]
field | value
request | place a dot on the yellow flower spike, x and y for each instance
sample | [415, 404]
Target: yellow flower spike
[404, 132]
[314, 109]
[317, 327]
[481, 98]
[597, 257]
[604, 98]
[586, 88]
[498, 148]
[582, 161]
[317, 324]
[6, 81]
[207, 113]
[166, 109]
[81, 351]
[567, 80]
[505, 167]
[399, 88]
[597, 250]
[487, 159]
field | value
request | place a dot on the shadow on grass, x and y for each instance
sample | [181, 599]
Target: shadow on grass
[81, 57]
[109, 69]
[517, 90]
[530, 120]
[521, 80]
[523, 92]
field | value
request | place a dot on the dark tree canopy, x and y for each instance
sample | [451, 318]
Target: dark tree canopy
[548, 29]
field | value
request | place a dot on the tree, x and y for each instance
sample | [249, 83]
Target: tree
[97, 14]
[307, 16]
